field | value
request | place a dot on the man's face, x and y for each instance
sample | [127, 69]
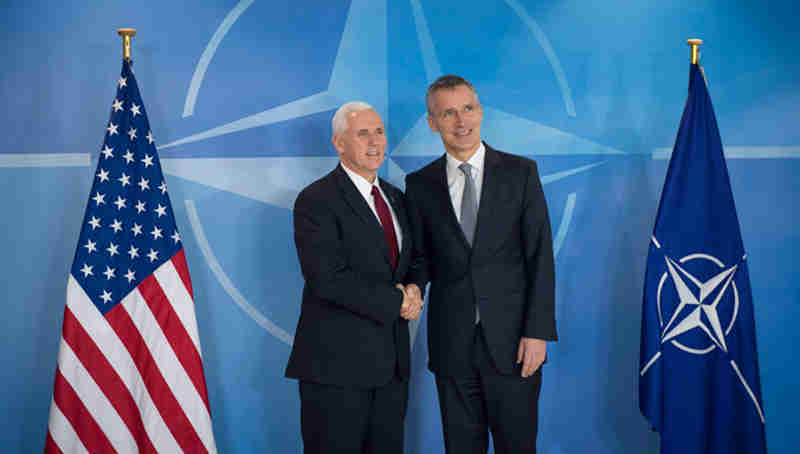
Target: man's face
[361, 146]
[457, 116]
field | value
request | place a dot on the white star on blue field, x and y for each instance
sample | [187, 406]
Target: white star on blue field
[276, 180]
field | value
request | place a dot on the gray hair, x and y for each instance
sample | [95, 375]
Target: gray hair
[446, 82]
[339, 122]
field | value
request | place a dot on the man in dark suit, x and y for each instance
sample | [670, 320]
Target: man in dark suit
[351, 348]
[482, 238]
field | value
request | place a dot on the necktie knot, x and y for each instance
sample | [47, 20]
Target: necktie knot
[466, 168]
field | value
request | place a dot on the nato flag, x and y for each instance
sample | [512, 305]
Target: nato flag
[699, 384]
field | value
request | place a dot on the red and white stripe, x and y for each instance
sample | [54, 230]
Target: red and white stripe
[132, 381]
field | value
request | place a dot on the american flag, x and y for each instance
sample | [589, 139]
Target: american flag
[130, 370]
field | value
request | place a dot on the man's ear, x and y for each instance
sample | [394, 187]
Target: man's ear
[431, 123]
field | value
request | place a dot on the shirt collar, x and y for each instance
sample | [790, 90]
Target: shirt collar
[476, 161]
[363, 186]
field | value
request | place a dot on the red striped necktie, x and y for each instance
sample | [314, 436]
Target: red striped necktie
[388, 226]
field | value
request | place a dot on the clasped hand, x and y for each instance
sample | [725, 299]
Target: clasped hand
[412, 301]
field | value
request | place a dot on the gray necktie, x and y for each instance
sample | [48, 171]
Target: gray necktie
[469, 212]
[469, 204]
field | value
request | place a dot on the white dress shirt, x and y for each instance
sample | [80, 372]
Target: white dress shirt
[456, 179]
[365, 189]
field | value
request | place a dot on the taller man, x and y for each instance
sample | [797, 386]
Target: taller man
[481, 236]
[351, 348]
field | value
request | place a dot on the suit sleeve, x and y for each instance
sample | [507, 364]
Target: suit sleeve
[325, 268]
[418, 268]
[537, 242]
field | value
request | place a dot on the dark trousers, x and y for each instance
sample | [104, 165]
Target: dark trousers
[345, 420]
[486, 400]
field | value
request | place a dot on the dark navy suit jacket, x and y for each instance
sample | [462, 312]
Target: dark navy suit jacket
[508, 272]
[350, 331]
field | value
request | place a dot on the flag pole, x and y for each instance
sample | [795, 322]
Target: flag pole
[126, 34]
[695, 43]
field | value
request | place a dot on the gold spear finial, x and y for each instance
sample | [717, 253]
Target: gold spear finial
[126, 34]
[695, 45]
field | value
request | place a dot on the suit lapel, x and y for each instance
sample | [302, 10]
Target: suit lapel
[489, 188]
[399, 209]
[445, 203]
[360, 207]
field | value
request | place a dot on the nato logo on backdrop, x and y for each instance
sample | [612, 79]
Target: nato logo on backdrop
[363, 50]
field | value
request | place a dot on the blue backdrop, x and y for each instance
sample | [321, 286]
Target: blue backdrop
[240, 95]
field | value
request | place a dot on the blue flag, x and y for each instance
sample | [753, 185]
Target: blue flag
[699, 384]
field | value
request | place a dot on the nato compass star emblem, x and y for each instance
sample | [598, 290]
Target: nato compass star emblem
[698, 304]
[276, 181]
[705, 312]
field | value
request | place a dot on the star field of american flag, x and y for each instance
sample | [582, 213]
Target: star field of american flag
[129, 228]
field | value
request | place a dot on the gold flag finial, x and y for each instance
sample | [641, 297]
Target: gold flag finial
[126, 34]
[695, 45]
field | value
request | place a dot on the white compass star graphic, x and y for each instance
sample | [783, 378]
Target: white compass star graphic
[697, 306]
[352, 58]
[695, 311]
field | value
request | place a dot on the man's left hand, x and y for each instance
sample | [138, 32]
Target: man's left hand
[531, 354]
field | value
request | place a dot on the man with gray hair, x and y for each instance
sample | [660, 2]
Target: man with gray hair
[351, 351]
[482, 239]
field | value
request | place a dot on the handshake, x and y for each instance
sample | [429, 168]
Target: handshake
[412, 301]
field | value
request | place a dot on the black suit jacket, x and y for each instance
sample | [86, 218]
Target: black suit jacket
[508, 272]
[350, 331]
